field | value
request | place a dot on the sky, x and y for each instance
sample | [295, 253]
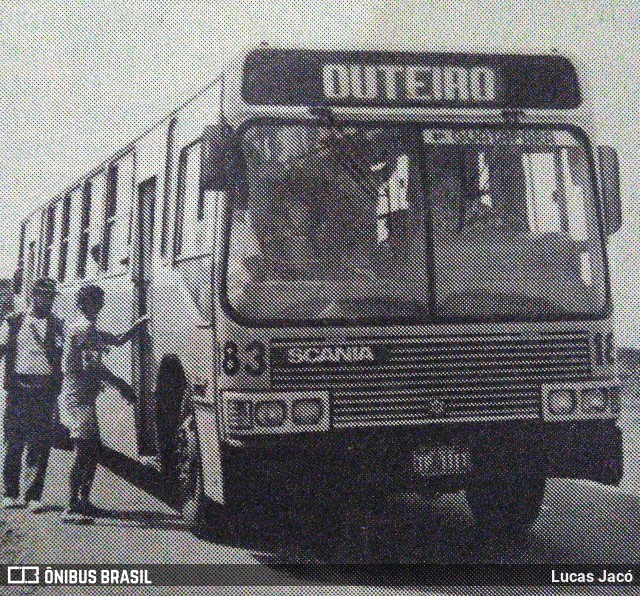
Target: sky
[79, 79]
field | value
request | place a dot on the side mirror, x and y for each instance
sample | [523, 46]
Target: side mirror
[213, 166]
[610, 183]
[96, 252]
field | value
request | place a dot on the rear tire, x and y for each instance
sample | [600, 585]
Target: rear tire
[506, 504]
[171, 387]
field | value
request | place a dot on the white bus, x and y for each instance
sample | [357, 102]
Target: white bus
[366, 271]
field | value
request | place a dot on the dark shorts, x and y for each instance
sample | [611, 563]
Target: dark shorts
[28, 414]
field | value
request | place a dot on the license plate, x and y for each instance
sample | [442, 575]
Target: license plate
[441, 461]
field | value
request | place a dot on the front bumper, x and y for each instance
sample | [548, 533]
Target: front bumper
[383, 458]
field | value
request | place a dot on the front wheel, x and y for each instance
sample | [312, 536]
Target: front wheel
[506, 504]
[188, 474]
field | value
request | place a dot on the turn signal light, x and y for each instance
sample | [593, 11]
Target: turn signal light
[594, 400]
[306, 411]
[240, 414]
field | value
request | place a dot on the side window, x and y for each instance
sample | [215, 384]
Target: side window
[116, 237]
[85, 212]
[190, 238]
[31, 268]
[110, 211]
[166, 197]
[54, 249]
[48, 238]
[23, 234]
[145, 220]
[64, 238]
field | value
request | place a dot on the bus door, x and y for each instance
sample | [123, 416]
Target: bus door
[141, 345]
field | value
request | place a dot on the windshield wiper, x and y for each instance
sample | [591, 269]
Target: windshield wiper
[346, 154]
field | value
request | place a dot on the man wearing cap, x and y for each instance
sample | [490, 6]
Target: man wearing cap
[31, 343]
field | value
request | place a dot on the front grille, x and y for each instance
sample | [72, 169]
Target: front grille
[432, 379]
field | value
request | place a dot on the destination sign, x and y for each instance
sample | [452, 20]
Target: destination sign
[402, 79]
[423, 84]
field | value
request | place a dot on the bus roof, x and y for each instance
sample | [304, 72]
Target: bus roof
[297, 77]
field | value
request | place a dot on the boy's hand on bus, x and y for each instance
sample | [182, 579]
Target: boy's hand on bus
[125, 389]
[141, 320]
[128, 393]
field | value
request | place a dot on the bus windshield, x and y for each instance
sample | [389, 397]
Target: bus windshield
[402, 223]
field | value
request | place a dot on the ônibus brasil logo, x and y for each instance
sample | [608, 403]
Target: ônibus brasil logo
[330, 354]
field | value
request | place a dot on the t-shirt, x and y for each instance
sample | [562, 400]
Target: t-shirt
[82, 357]
[31, 358]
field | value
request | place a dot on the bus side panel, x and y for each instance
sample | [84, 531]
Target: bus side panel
[150, 163]
[116, 415]
[174, 305]
[131, 428]
[181, 290]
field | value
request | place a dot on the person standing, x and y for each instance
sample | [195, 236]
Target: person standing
[31, 343]
[83, 376]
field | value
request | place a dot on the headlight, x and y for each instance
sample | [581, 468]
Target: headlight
[562, 401]
[270, 413]
[594, 400]
[306, 411]
[275, 412]
[240, 414]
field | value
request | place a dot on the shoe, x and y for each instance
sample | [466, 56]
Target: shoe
[73, 515]
[11, 503]
[150, 461]
[89, 509]
[35, 506]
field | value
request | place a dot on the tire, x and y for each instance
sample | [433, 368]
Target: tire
[506, 504]
[188, 479]
[170, 395]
